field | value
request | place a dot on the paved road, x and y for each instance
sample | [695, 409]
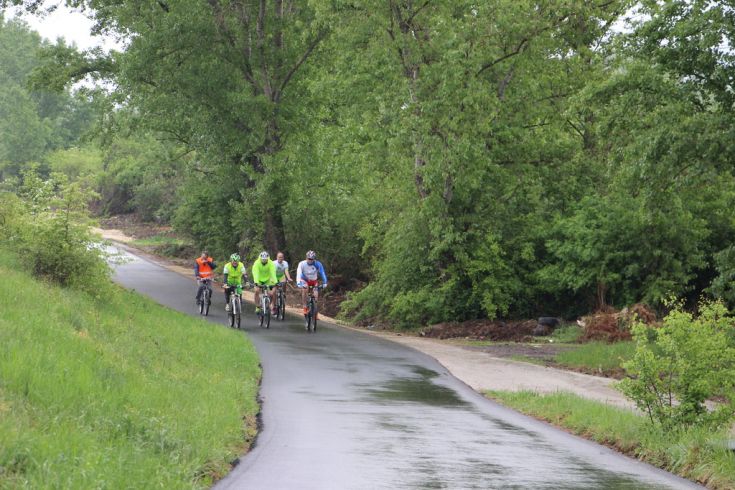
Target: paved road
[344, 410]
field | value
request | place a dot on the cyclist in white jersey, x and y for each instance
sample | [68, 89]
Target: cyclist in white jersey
[282, 274]
[308, 273]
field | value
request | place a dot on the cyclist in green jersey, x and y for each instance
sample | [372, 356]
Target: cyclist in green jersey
[234, 274]
[264, 274]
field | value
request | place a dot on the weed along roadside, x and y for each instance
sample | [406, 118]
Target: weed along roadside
[117, 389]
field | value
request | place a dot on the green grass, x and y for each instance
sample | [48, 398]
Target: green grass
[694, 454]
[117, 392]
[597, 357]
[567, 334]
[158, 241]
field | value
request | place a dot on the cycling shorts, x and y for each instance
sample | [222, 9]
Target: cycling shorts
[310, 283]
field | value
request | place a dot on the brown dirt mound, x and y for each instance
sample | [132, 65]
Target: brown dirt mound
[614, 326]
[482, 330]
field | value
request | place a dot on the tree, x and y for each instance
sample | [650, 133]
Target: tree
[32, 121]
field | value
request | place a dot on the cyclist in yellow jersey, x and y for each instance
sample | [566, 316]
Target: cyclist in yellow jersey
[264, 274]
[234, 273]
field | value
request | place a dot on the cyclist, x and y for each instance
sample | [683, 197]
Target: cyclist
[234, 273]
[282, 274]
[264, 274]
[307, 274]
[204, 267]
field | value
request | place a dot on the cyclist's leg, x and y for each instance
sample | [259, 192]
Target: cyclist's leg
[304, 291]
[316, 301]
[272, 294]
[259, 292]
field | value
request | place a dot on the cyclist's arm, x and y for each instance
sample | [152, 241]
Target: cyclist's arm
[225, 273]
[300, 279]
[244, 276]
[196, 269]
[323, 274]
[213, 264]
[273, 279]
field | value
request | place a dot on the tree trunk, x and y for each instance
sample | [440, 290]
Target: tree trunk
[601, 293]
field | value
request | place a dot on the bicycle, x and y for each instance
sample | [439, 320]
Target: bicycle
[311, 316]
[205, 295]
[233, 316]
[265, 305]
[280, 301]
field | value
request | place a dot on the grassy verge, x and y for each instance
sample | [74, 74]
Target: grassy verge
[597, 357]
[694, 454]
[116, 392]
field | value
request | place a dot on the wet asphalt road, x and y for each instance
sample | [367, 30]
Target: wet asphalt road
[345, 410]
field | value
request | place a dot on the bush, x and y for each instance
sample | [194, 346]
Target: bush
[48, 226]
[679, 366]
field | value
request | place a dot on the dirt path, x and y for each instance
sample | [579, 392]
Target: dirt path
[478, 370]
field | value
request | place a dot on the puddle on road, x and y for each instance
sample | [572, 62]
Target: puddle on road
[415, 389]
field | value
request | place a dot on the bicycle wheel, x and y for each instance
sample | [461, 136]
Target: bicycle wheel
[281, 308]
[267, 313]
[201, 304]
[315, 312]
[261, 314]
[310, 316]
[231, 319]
[204, 306]
[237, 320]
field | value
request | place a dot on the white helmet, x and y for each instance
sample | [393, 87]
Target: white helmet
[264, 255]
[311, 254]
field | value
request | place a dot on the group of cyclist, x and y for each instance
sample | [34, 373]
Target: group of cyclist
[266, 275]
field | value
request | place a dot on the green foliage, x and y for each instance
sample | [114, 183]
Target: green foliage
[75, 163]
[681, 365]
[514, 159]
[33, 120]
[117, 390]
[627, 249]
[48, 226]
[723, 286]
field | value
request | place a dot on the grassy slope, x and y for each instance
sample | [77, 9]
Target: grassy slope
[117, 392]
[695, 454]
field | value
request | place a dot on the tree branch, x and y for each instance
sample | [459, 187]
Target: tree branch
[300, 62]
[521, 46]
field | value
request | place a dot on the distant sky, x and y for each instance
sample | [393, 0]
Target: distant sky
[72, 25]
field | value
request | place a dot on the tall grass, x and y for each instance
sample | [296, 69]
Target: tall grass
[117, 392]
[694, 453]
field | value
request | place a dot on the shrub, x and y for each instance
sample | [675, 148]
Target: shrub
[47, 224]
[679, 366]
